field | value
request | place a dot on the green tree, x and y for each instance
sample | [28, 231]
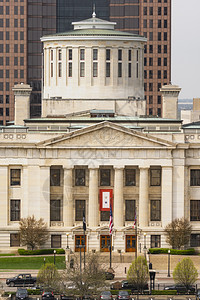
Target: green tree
[49, 278]
[178, 233]
[138, 273]
[33, 233]
[185, 273]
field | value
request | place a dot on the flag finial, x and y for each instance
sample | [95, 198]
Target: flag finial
[94, 14]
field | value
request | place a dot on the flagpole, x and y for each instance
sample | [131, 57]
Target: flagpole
[84, 229]
[135, 232]
[110, 251]
[84, 250]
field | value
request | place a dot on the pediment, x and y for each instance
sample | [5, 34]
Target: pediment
[106, 135]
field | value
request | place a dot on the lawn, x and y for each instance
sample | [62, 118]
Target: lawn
[30, 262]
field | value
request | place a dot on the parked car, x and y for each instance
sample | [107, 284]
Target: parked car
[47, 295]
[123, 295]
[198, 294]
[22, 294]
[21, 280]
[66, 297]
[109, 275]
[106, 295]
[126, 285]
[181, 289]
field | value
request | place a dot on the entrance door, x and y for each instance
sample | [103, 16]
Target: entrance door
[130, 243]
[105, 243]
[79, 241]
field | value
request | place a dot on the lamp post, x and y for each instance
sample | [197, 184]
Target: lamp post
[54, 258]
[168, 263]
[145, 248]
[67, 234]
[44, 261]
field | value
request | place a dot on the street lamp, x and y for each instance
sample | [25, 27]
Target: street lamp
[145, 248]
[67, 234]
[168, 263]
[44, 261]
[54, 258]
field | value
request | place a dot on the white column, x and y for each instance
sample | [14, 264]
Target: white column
[143, 197]
[68, 211]
[45, 193]
[178, 186]
[118, 198]
[166, 201]
[4, 195]
[93, 211]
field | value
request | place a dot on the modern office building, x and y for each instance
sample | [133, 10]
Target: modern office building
[23, 22]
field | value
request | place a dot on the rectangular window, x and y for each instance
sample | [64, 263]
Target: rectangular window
[7, 112]
[7, 61]
[155, 241]
[51, 54]
[7, 99]
[7, 35]
[95, 54]
[165, 36]
[7, 23]
[195, 210]
[70, 54]
[159, 23]
[129, 55]
[59, 54]
[155, 176]
[55, 210]
[130, 177]
[15, 22]
[107, 54]
[55, 177]
[105, 177]
[107, 69]
[1, 98]
[159, 48]
[155, 210]
[80, 177]
[159, 61]
[15, 36]
[16, 10]
[195, 177]
[51, 69]
[165, 61]
[79, 209]
[15, 177]
[70, 69]
[151, 11]
[14, 210]
[159, 74]
[150, 74]
[145, 11]
[95, 69]
[165, 74]
[150, 48]
[119, 69]
[14, 240]
[82, 54]
[195, 240]
[150, 87]
[159, 11]
[165, 48]
[59, 69]
[165, 11]
[129, 70]
[56, 241]
[119, 54]
[129, 210]
[82, 69]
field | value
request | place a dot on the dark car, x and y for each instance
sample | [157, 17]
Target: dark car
[47, 295]
[109, 275]
[106, 295]
[66, 297]
[198, 294]
[22, 294]
[126, 285]
[123, 295]
[21, 280]
[181, 289]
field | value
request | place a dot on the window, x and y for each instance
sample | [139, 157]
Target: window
[151, 23]
[15, 48]
[59, 69]
[165, 23]
[145, 23]
[159, 86]
[7, 61]
[155, 176]
[159, 74]
[150, 74]
[54, 177]
[79, 209]
[159, 61]
[21, 48]
[129, 210]
[82, 64]
[7, 99]
[7, 35]
[1, 98]
[195, 240]
[195, 177]
[165, 11]
[150, 36]
[150, 87]
[16, 10]
[7, 111]
[155, 210]
[56, 241]
[21, 35]
[95, 54]
[165, 48]
[150, 48]
[80, 177]
[145, 74]
[151, 11]
[70, 69]
[159, 11]
[159, 48]
[1, 111]
[165, 74]
[70, 54]
[14, 240]
[119, 69]
[15, 73]
[155, 241]
[150, 111]
[15, 35]
[165, 61]
[159, 112]
[159, 36]
[55, 210]
[195, 210]
[14, 210]
[15, 22]
[80, 240]
[104, 177]
[145, 11]
[130, 177]
[21, 10]
[129, 70]
[7, 23]
[15, 177]
[107, 54]
[159, 23]
[107, 69]
[22, 23]
[119, 54]
[165, 36]
[159, 99]
[7, 73]
[95, 69]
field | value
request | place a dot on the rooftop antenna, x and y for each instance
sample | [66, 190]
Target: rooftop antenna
[94, 14]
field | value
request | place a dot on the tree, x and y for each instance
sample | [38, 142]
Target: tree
[138, 273]
[87, 281]
[33, 233]
[49, 278]
[178, 233]
[185, 273]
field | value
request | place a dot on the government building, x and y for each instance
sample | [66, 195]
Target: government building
[94, 147]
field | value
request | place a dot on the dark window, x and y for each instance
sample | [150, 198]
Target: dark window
[165, 11]
[1, 10]
[70, 54]
[95, 54]
[150, 111]
[22, 23]
[1, 111]
[7, 23]
[7, 86]
[165, 36]
[129, 70]
[79, 177]
[7, 35]
[119, 69]
[145, 61]
[7, 61]
[15, 22]
[107, 69]
[165, 61]
[119, 54]
[1, 22]
[150, 36]
[15, 48]
[14, 240]
[155, 241]
[165, 74]
[165, 48]
[159, 86]
[14, 210]
[70, 69]
[155, 210]
[104, 177]
[155, 177]
[159, 112]
[55, 210]
[195, 210]
[95, 69]
[107, 54]
[150, 99]
[159, 48]
[145, 23]
[150, 74]
[56, 241]
[145, 11]
[159, 74]
[129, 210]
[7, 99]
[7, 112]
[82, 69]
[7, 10]
[79, 209]
[159, 99]
[195, 240]
[159, 61]
[165, 23]
[15, 177]
[21, 10]
[54, 177]
[145, 74]
[21, 48]
[16, 10]
[150, 23]
[151, 11]
[159, 23]
[159, 11]
[130, 177]
[21, 73]
[15, 73]
[150, 48]
[159, 36]
[21, 35]
[150, 61]
[1, 98]
[150, 87]
[195, 177]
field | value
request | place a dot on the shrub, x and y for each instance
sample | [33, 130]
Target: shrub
[172, 251]
[171, 292]
[40, 251]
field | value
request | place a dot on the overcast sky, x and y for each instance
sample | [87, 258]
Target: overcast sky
[186, 47]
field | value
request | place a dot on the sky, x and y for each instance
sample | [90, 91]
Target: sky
[186, 47]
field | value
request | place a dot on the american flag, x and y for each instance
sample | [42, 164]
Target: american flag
[135, 220]
[111, 221]
[84, 221]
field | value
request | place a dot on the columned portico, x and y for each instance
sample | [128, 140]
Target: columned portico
[118, 197]
[68, 212]
[144, 197]
[93, 209]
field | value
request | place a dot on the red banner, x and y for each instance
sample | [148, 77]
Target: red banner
[106, 199]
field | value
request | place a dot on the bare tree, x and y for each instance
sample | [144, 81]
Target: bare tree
[49, 278]
[178, 233]
[138, 273]
[185, 273]
[33, 233]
